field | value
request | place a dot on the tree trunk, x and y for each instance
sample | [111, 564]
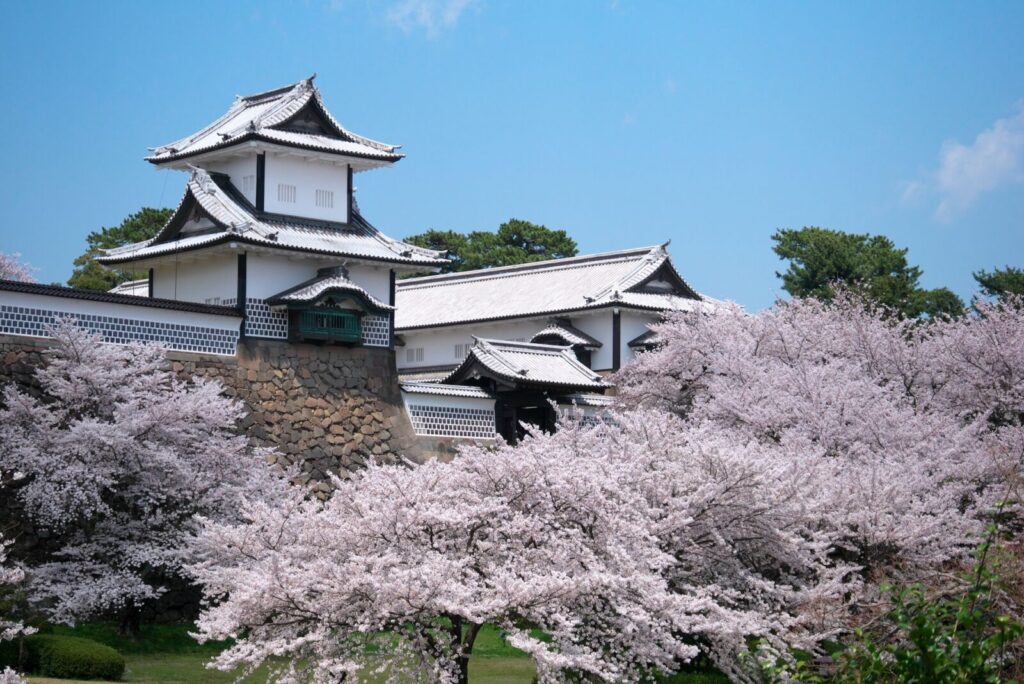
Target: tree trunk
[130, 621]
[467, 648]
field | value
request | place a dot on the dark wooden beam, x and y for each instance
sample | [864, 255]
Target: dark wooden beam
[242, 277]
[616, 339]
[261, 179]
[348, 216]
[391, 298]
[151, 295]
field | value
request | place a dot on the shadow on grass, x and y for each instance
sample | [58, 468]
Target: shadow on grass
[168, 655]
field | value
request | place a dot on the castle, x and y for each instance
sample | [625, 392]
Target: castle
[267, 269]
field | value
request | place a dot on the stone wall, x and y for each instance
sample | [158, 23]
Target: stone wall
[330, 408]
[327, 408]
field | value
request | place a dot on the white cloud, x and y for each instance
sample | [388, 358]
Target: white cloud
[966, 172]
[432, 16]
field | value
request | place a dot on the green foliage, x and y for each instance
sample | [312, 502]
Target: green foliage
[64, 657]
[515, 242]
[1001, 282]
[820, 258]
[151, 638]
[142, 225]
[939, 640]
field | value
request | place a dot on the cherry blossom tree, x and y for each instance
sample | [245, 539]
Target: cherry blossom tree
[916, 427]
[12, 269]
[760, 477]
[10, 629]
[631, 546]
[116, 461]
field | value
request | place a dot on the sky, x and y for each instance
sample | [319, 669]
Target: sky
[625, 123]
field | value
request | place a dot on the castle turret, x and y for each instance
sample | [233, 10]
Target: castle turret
[268, 206]
[283, 151]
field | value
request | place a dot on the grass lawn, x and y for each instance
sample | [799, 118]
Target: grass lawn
[189, 669]
[166, 654]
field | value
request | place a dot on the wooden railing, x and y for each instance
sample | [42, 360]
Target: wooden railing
[331, 325]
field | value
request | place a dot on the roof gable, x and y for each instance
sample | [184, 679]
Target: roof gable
[292, 116]
[234, 219]
[525, 365]
[328, 284]
[310, 120]
[562, 329]
[558, 286]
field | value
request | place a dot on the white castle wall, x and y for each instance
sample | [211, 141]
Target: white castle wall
[307, 176]
[239, 169]
[206, 281]
[28, 315]
[439, 344]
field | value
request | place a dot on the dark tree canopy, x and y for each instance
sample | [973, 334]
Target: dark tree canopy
[820, 258]
[142, 225]
[515, 242]
[1001, 282]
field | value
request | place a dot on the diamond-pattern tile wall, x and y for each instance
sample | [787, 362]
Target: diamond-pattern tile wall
[18, 320]
[376, 331]
[452, 421]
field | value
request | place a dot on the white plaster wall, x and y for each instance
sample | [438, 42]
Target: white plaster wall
[130, 311]
[197, 280]
[439, 345]
[374, 279]
[268, 274]
[236, 168]
[599, 326]
[634, 324]
[307, 176]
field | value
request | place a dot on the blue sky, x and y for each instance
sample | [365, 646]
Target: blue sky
[625, 123]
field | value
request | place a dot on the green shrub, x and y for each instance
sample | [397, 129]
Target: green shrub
[64, 657]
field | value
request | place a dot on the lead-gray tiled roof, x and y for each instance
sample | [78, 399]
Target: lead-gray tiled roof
[328, 280]
[440, 389]
[569, 333]
[530, 364]
[237, 221]
[255, 117]
[545, 287]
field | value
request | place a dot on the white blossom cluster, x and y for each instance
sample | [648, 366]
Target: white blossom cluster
[623, 544]
[12, 269]
[10, 576]
[913, 430]
[761, 474]
[116, 461]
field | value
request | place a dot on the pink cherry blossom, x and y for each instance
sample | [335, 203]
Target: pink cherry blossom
[116, 462]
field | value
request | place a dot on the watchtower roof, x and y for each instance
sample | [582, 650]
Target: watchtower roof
[293, 116]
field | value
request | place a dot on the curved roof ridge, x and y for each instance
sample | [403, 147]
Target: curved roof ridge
[238, 220]
[258, 117]
[400, 247]
[369, 142]
[527, 346]
[568, 332]
[274, 91]
[560, 366]
[504, 271]
[651, 262]
[326, 280]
